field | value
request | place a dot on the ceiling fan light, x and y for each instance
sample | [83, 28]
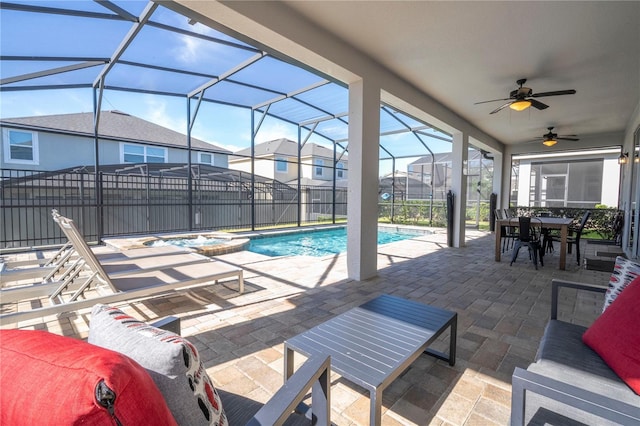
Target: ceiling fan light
[520, 105]
[549, 142]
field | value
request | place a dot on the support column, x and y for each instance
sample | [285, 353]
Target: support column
[507, 166]
[524, 183]
[460, 155]
[362, 195]
[611, 174]
[498, 176]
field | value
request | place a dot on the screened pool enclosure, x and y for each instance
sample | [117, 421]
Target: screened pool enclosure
[61, 57]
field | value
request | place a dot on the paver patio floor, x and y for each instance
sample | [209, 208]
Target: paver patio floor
[502, 311]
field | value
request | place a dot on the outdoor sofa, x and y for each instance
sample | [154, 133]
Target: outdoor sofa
[133, 373]
[586, 376]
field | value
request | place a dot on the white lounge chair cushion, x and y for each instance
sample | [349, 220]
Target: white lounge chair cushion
[171, 360]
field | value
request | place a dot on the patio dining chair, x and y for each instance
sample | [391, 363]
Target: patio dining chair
[577, 233]
[508, 234]
[528, 236]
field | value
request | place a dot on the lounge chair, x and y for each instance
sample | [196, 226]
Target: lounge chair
[35, 269]
[87, 281]
[65, 260]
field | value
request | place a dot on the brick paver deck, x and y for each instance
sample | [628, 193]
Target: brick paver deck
[502, 312]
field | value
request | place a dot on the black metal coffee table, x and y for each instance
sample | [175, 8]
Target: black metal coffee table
[371, 345]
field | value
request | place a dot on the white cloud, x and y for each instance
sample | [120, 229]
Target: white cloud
[157, 112]
[269, 132]
[188, 52]
[192, 50]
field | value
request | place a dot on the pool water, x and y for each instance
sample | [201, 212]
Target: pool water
[315, 243]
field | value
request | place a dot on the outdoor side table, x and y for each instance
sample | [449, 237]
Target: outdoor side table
[372, 344]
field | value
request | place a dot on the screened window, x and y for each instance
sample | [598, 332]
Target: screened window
[143, 154]
[21, 147]
[318, 167]
[281, 164]
[568, 184]
[340, 171]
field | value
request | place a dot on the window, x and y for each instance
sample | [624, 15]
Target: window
[281, 164]
[318, 167]
[205, 158]
[21, 147]
[155, 155]
[340, 171]
[143, 154]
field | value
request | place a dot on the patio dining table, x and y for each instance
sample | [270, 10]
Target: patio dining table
[560, 223]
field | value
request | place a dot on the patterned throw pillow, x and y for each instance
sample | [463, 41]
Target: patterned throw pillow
[624, 272]
[171, 360]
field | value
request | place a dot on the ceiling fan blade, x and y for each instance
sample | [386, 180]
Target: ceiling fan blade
[501, 107]
[493, 100]
[560, 138]
[556, 93]
[538, 104]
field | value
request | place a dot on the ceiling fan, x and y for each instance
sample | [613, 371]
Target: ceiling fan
[523, 97]
[550, 139]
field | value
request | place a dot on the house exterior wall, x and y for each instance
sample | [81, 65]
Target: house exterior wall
[266, 166]
[308, 165]
[290, 174]
[53, 151]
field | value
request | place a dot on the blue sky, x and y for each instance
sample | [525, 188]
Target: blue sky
[39, 34]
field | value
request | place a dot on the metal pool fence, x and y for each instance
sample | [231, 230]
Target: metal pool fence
[125, 204]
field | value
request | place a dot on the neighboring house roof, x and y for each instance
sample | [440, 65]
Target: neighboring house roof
[443, 157]
[114, 125]
[286, 147]
[340, 183]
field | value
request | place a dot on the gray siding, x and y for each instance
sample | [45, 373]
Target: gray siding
[59, 151]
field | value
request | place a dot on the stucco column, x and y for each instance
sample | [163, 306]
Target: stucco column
[498, 176]
[524, 183]
[362, 196]
[611, 179]
[460, 154]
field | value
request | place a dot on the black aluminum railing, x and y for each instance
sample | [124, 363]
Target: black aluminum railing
[141, 204]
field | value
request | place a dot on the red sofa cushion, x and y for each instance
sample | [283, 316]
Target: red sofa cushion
[615, 335]
[49, 379]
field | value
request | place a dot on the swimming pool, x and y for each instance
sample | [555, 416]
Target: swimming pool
[315, 243]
